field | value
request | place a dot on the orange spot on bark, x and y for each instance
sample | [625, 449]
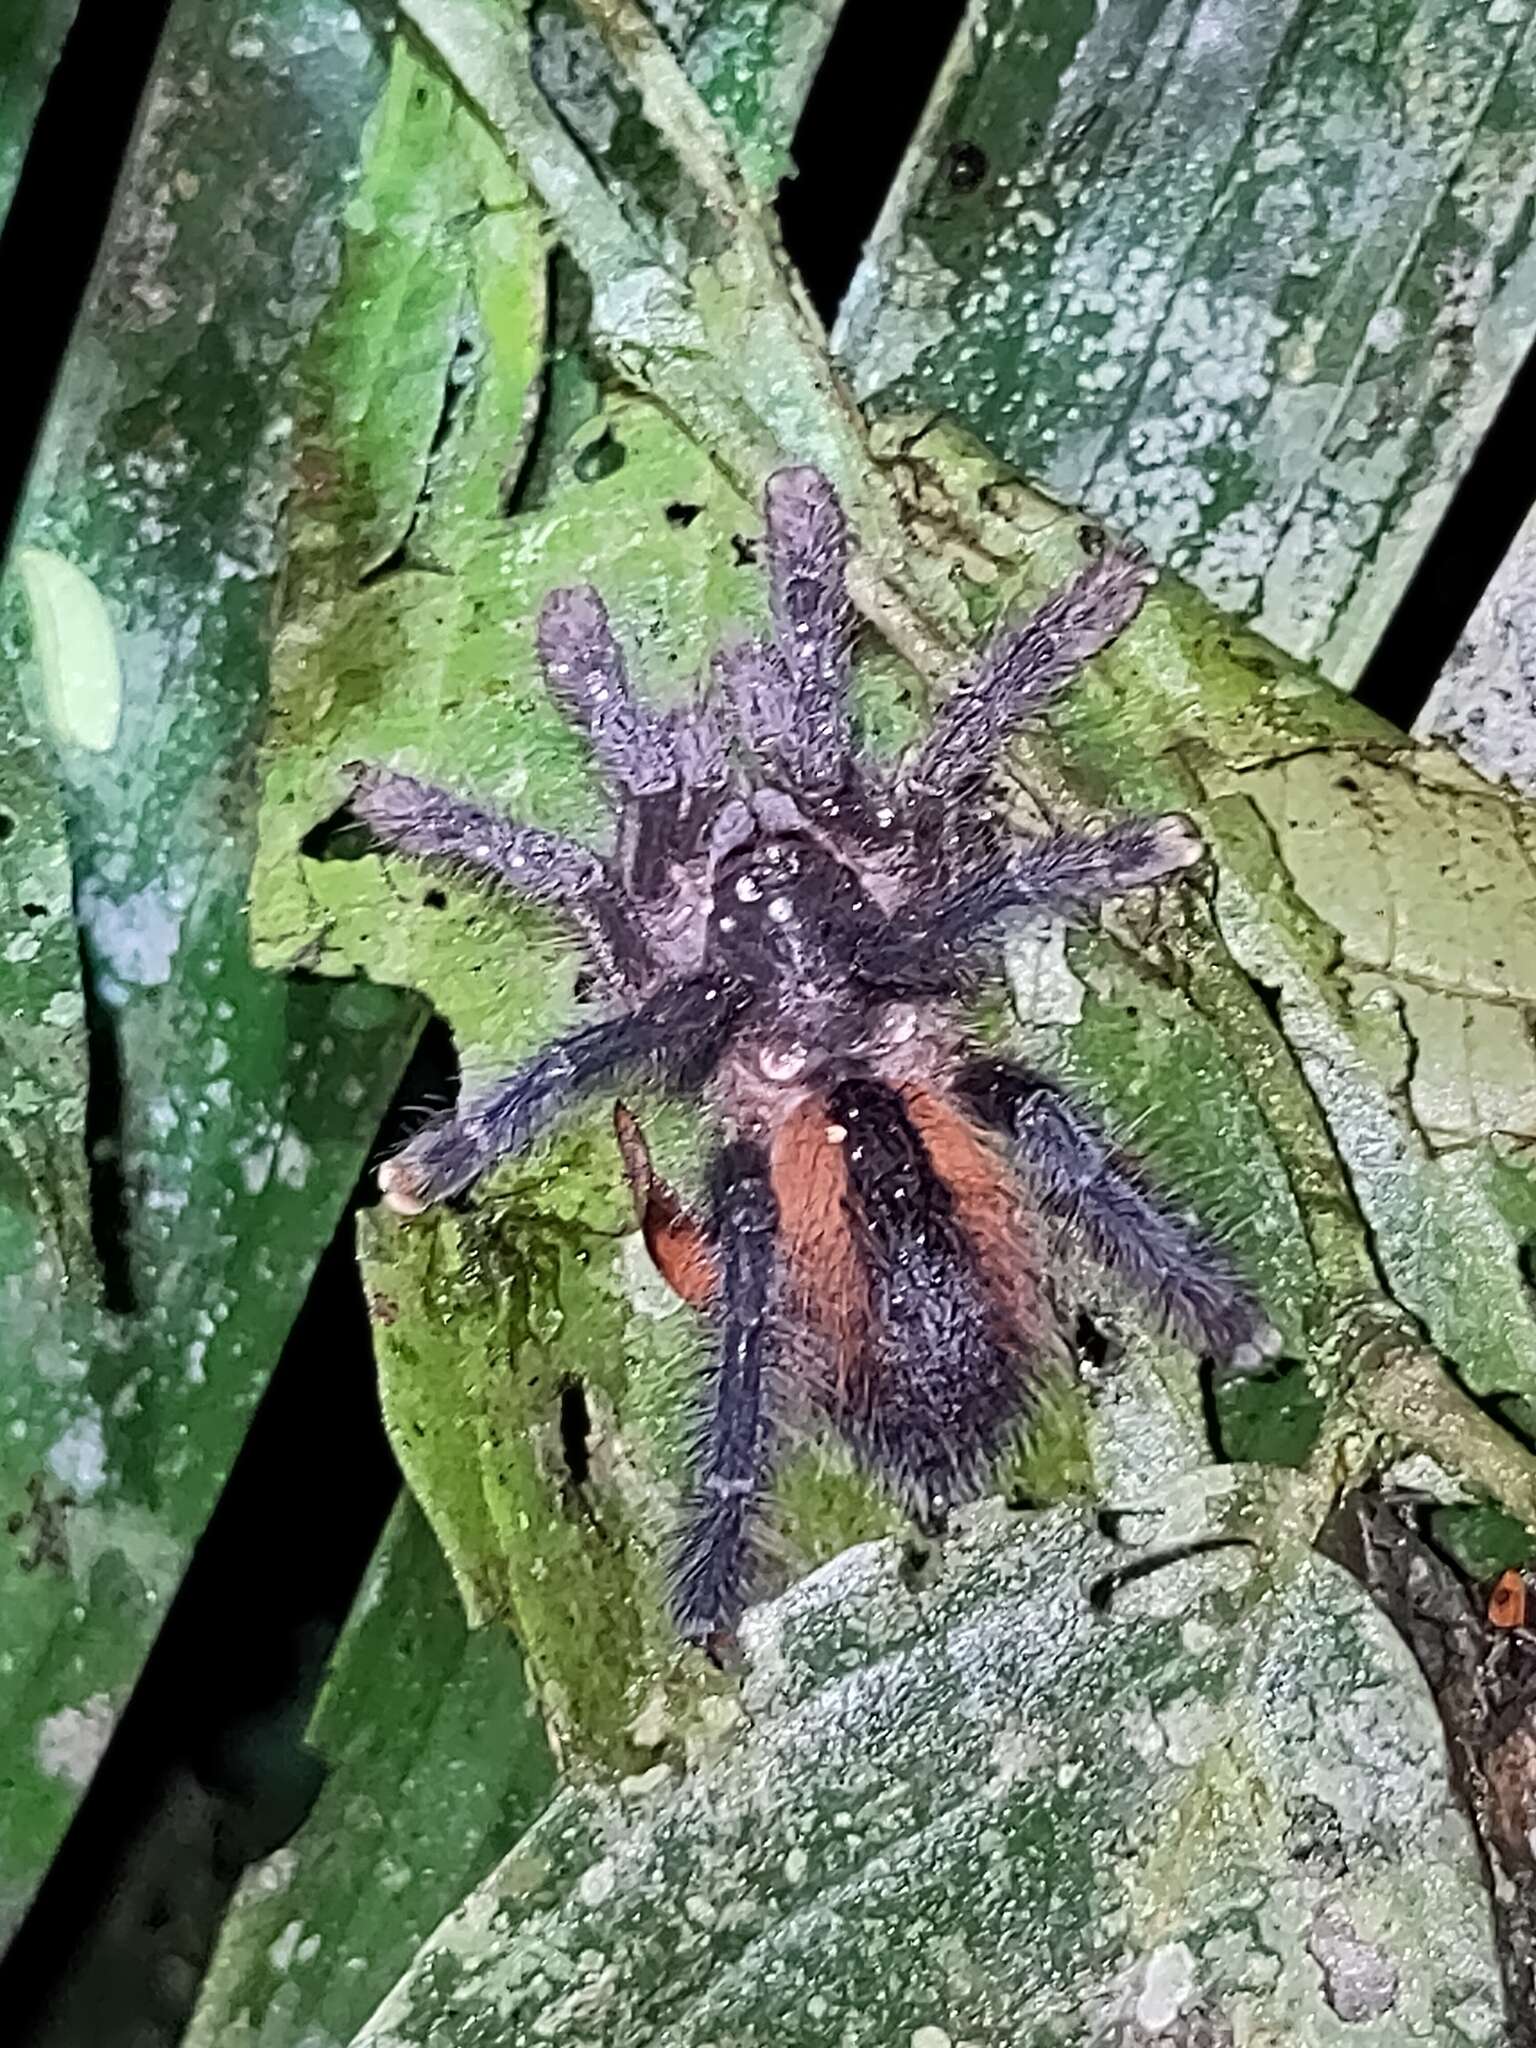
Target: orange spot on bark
[1507, 1601]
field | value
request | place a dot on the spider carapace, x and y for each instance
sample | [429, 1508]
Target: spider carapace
[788, 930]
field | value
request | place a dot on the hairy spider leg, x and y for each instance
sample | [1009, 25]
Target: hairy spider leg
[736, 1455]
[1065, 875]
[677, 1034]
[789, 695]
[812, 616]
[1079, 1177]
[667, 770]
[588, 678]
[1021, 670]
[412, 817]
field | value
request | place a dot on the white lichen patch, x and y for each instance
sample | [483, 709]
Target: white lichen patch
[648, 1293]
[282, 1951]
[268, 1878]
[71, 1742]
[136, 935]
[1168, 1987]
[1041, 982]
[78, 1459]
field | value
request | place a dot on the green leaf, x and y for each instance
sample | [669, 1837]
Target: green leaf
[694, 370]
[1004, 1811]
[436, 1762]
[1248, 283]
[426, 381]
[246, 1105]
[430, 667]
[32, 34]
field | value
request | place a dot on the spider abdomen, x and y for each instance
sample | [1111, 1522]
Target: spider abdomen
[909, 1279]
[958, 1328]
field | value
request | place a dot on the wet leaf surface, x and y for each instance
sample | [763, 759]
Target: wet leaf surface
[532, 425]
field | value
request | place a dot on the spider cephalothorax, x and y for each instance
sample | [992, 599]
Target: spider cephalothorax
[784, 928]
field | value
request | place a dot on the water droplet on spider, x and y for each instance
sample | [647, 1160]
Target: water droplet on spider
[782, 1062]
[748, 890]
[781, 910]
[837, 1134]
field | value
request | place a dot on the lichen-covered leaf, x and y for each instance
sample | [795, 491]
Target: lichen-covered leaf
[235, 1110]
[1246, 281]
[534, 1376]
[482, 1323]
[1378, 887]
[1208, 1805]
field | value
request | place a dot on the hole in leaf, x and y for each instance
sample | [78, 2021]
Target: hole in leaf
[682, 515]
[108, 1194]
[965, 166]
[576, 1432]
[1090, 1343]
[600, 458]
[341, 836]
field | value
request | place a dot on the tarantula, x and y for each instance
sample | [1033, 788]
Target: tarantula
[784, 927]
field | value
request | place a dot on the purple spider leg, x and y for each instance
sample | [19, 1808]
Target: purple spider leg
[1064, 875]
[677, 1034]
[1022, 669]
[812, 623]
[722, 1534]
[431, 824]
[789, 695]
[668, 770]
[1081, 1179]
[588, 678]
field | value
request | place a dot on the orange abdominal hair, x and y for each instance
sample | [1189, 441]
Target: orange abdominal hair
[828, 1287]
[989, 1207]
